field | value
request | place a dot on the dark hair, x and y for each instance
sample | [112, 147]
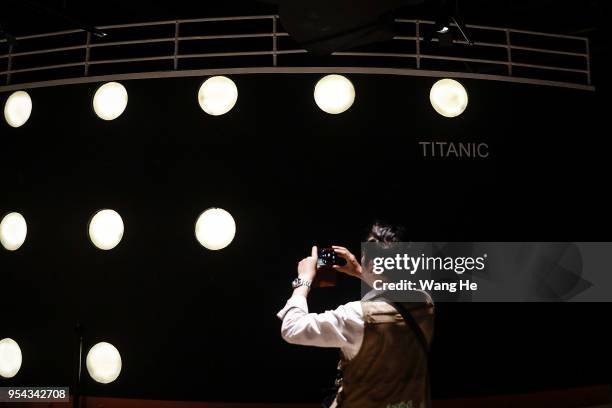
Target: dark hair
[386, 233]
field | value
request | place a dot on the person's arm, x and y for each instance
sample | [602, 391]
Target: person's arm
[338, 328]
[342, 327]
[301, 291]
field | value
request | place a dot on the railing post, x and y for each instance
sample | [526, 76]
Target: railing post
[176, 43]
[588, 60]
[9, 65]
[87, 53]
[418, 44]
[274, 43]
[509, 51]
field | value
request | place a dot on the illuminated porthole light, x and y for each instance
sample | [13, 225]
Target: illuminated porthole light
[10, 358]
[110, 100]
[18, 108]
[215, 229]
[334, 94]
[217, 95]
[448, 97]
[103, 363]
[13, 231]
[106, 229]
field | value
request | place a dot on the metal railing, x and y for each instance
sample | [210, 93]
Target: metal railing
[580, 42]
[71, 56]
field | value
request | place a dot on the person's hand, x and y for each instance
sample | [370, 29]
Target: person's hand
[307, 268]
[352, 267]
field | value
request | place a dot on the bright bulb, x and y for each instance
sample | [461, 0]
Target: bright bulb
[334, 94]
[215, 228]
[448, 97]
[110, 100]
[13, 231]
[18, 108]
[103, 363]
[217, 95]
[106, 229]
[10, 358]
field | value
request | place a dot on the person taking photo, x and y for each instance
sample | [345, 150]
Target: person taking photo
[383, 344]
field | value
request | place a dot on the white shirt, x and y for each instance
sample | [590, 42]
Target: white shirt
[342, 328]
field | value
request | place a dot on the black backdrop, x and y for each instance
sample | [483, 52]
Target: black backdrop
[201, 325]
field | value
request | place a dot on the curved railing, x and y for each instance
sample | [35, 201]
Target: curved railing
[257, 44]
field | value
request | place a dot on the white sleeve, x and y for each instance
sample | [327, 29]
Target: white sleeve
[342, 327]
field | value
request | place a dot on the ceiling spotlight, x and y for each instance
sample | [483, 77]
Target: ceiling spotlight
[106, 229]
[103, 363]
[447, 18]
[442, 32]
[217, 95]
[10, 358]
[334, 94]
[110, 100]
[448, 97]
[18, 108]
[215, 229]
[13, 231]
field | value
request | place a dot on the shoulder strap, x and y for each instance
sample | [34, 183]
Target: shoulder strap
[409, 319]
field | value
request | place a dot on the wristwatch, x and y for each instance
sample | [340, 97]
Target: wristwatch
[297, 282]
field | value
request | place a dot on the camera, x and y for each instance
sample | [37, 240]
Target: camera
[327, 257]
[326, 274]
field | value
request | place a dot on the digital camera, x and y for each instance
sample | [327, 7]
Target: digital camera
[328, 257]
[326, 274]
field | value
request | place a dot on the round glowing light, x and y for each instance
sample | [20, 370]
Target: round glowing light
[103, 363]
[13, 231]
[217, 95]
[18, 108]
[10, 358]
[106, 229]
[334, 94]
[448, 97]
[215, 228]
[110, 100]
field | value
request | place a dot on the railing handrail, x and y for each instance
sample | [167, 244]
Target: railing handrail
[89, 44]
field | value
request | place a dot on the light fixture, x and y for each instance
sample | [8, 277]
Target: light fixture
[10, 358]
[103, 363]
[110, 100]
[18, 108]
[448, 97]
[334, 93]
[215, 228]
[448, 19]
[217, 95]
[106, 229]
[13, 231]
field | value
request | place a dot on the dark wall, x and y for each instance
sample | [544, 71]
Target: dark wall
[196, 324]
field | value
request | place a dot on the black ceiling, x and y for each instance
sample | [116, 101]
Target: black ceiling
[19, 17]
